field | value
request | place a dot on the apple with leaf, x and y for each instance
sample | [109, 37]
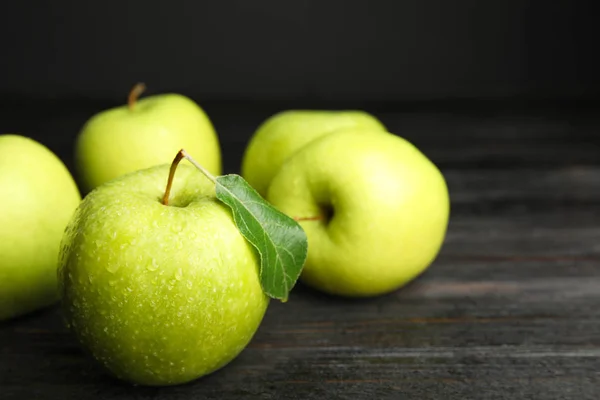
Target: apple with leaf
[166, 273]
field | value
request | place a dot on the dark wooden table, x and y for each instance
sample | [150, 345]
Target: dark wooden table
[509, 310]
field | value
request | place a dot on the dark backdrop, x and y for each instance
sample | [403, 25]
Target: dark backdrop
[302, 49]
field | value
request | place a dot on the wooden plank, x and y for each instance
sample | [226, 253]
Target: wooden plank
[506, 214]
[446, 331]
[462, 137]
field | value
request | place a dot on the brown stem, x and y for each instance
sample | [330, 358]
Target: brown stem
[315, 218]
[180, 156]
[135, 93]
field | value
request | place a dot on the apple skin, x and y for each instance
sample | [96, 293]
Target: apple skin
[159, 295]
[284, 133]
[118, 141]
[387, 206]
[38, 195]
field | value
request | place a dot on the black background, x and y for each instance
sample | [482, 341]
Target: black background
[308, 51]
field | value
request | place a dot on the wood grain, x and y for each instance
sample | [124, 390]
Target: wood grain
[510, 309]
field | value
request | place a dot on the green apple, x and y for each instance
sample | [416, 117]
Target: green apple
[285, 133]
[156, 127]
[37, 196]
[159, 294]
[374, 208]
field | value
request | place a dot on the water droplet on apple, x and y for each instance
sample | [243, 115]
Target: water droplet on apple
[112, 282]
[182, 369]
[176, 228]
[178, 274]
[189, 284]
[112, 268]
[153, 266]
[91, 278]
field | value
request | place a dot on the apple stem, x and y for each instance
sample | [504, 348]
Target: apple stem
[315, 218]
[174, 164]
[134, 94]
[181, 154]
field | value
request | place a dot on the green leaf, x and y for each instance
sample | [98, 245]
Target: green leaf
[280, 241]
